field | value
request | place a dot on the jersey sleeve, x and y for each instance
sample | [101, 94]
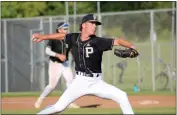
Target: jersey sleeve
[68, 38]
[105, 44]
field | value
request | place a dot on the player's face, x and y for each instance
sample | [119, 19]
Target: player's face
[65, 31]
[90, 28]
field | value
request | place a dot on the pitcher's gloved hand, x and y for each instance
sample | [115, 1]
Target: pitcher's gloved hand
[130, 52]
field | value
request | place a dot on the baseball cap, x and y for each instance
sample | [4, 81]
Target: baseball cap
[62, 25]
[90, 18]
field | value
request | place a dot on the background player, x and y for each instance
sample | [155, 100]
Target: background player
[58, 65]
[122, 65]
[87, 50]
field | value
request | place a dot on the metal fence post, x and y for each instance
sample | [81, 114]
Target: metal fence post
[139, 69]
[172, 35]
[152, 48]
[70, 58]
[176, 53]
[99, 18]
[42, 50]
[172, 45]
[50, 25]
[114, 75]
[108, 64]
[6, 57]
[67, 13]
[74, 16]
[100, 28]
[31, 60]
[102, 67]
[158, 56]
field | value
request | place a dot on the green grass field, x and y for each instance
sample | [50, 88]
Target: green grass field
[102, 111]
[131, 75]
[57, 93]
[153, 110]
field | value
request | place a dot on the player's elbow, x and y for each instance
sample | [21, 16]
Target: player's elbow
[116, 42]
[47, 50]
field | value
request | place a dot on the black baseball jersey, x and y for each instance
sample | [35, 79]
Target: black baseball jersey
[88, 54]
[60, 47]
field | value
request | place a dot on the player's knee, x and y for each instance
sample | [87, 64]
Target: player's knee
[124, 94]
[67, 85]
[121, 96]
[70, 80]
[51, 87]
[124, 98]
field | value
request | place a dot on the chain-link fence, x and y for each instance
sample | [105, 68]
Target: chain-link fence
[140, 28]
[24, 64]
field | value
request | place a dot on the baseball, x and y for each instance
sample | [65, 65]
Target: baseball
[34, 39]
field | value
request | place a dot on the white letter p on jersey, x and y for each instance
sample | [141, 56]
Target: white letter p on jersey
[89, 50]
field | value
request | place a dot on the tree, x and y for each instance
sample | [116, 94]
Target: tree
[55, 8]
[9, 9]
[45, 8]
[22, 9]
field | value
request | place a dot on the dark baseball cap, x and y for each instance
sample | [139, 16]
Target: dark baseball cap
[90, 18]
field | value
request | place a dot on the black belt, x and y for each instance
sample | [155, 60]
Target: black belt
[56, 61]
[88, 75]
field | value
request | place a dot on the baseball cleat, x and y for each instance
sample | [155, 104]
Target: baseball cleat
[72, 105]
[38, 103]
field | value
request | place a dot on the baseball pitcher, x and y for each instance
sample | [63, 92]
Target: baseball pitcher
[87, 50]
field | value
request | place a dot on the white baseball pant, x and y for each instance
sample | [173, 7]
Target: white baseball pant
[55, 71]
[83, 85]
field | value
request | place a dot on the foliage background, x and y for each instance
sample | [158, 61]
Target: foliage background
[18, 9]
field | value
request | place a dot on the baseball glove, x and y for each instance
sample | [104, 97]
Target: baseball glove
[130, 52]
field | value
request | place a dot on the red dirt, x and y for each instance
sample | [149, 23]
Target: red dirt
[27, 103]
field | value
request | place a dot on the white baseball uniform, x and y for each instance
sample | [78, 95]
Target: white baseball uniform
[88, 57]
[57, 68]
